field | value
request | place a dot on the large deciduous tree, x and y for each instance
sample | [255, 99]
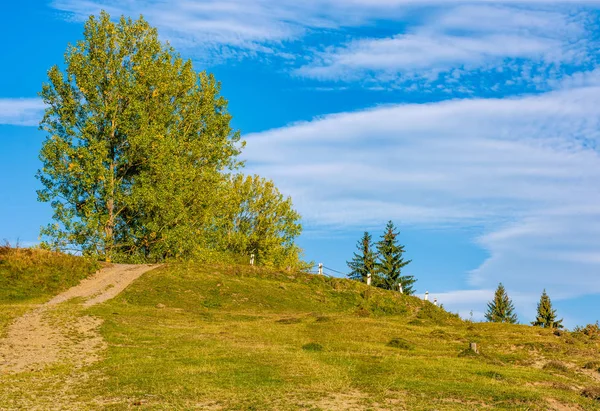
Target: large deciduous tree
[139, 153]
[261, 221]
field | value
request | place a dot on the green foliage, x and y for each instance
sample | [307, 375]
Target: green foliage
[391, 261]
[136, 142]
[312, 347]
[28, 273]
[260, 221]
[546, 316]
[501, 308]
[589, 330]
[556, 366]
[401, 344]
[139, 154]
[363, 264]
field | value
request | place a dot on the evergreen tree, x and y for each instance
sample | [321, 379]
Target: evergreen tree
[501, 309]
[546, 316]
[391, 261]
[363, 262]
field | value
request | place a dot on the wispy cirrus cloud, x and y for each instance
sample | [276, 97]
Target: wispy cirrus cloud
[21, 111]
[525, 170]
[454, 46]
[458, 45]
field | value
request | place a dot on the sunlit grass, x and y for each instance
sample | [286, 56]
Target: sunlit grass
[232, 337]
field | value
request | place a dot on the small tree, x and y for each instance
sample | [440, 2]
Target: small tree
[501, 309]
[363, 263]
[391, 261]
[546, 316]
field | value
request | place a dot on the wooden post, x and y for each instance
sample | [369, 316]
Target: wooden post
[473, 347]
[320, 268]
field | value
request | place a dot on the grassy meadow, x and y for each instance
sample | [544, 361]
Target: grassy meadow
[188, 336]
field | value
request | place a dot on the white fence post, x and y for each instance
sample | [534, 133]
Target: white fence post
[400, 288]
[426, 295]
[321, 268]
[369, 279]
[251, 259]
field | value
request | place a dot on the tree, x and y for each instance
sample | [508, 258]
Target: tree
[363, 263]
[259, 220]
[501, 309]
[546, 316]
[391, 261]
[138, 143]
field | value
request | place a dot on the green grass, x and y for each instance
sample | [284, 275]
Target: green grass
[221, 337]
[29, 276]
[30, 273]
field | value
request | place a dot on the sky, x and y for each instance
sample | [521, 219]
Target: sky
[472, 125]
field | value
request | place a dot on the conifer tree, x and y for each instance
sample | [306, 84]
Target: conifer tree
[363, 262]
[501, 309]
[391, 261]
[546, 316]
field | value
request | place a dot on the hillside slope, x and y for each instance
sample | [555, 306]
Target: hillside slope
[222, 337]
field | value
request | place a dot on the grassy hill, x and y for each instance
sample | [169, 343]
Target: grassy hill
[233, 337]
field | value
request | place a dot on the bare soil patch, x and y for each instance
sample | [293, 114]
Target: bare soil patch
[37, 339]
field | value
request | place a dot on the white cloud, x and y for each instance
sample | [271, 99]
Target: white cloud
[530, 44]
[21, 111]
[224, 28]
[525, 170]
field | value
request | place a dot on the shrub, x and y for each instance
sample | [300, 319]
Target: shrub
[291, 320]
[400, 343]
[312, 347]
[556, 366]
[591, 392]
[591, 365]
[590, 330]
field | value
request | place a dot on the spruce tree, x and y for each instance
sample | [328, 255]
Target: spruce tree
[546, 316]
[501, 309]
[363, 262]
[391, 261]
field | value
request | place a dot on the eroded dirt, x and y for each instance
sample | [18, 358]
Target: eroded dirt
[42, 336]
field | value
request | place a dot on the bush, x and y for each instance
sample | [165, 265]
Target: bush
[590, 330]
[592, 365]
[400, 343]
[556, 366]
[591, 392]
[312, 347]
[289, 320]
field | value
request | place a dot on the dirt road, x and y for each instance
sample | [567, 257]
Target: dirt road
[41, 337]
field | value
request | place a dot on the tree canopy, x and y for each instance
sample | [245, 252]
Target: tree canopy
[546, 315]
[140, 158]
[390, 262]
[362, 264]
[501, 308]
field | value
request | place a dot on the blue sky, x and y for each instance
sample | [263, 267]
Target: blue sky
[473, 125]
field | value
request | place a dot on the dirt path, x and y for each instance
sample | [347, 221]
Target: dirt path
[39, 338]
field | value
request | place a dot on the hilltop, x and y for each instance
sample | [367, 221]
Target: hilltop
[191, 336]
